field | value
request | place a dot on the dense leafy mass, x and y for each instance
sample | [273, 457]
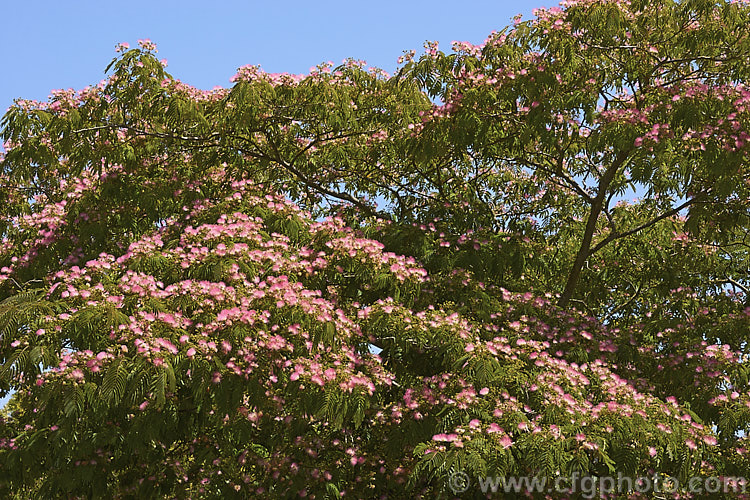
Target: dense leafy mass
[201, 298]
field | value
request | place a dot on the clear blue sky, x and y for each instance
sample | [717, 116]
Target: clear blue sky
[67, 44]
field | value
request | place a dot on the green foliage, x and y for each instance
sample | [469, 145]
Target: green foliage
[194, 284]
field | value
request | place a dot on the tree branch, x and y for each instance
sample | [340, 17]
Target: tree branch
[596, 209]
[624, 304]
[616, 235]
[734, 283]
[323, 190]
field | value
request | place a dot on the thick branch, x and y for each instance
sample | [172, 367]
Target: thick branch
[596, 209]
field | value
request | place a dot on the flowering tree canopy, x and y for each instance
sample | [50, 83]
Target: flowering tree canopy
[351, 284]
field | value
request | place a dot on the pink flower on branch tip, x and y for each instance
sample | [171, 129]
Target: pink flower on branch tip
[147, 44]
[506, 441]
